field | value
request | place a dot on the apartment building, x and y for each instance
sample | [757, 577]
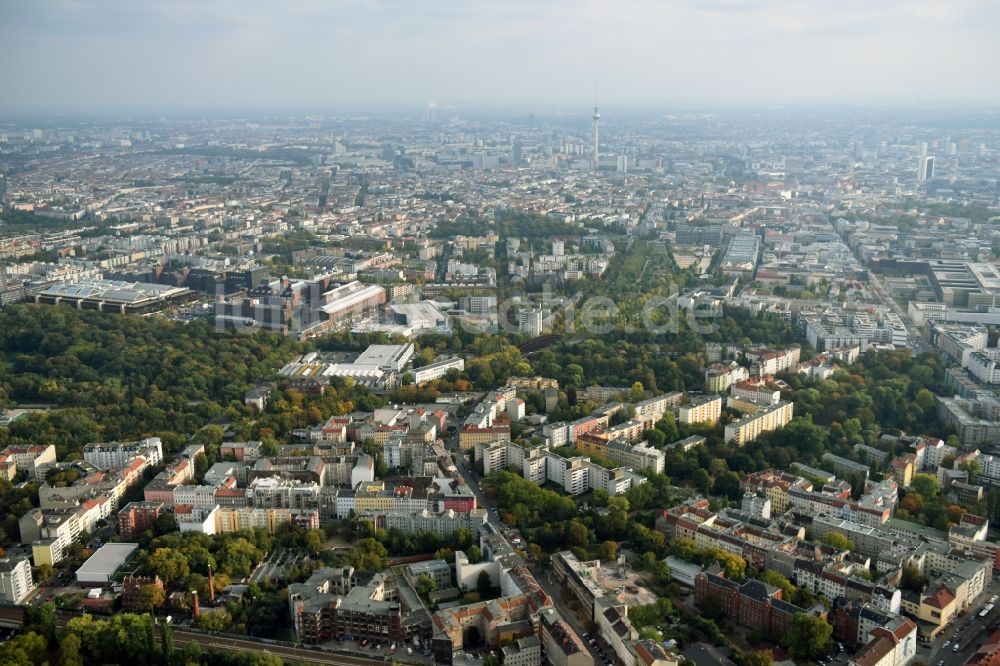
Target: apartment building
[32, 460]
[560, 644]
[137, 517]
[652, 410]
[327, 607]
[719, 376]
[867, 540]
[497, 621]
[767, 362]
[51, 532]
[16, 582]
[470, 435]
[234, 519]
[753, 604]
[437, 370]
[576, 475]
[638, 456]
[113, 455]
[846, 468]
[759, 390]
[776, 486]
[526, 651]
[705, 410]
[748, 428]
[442, 523]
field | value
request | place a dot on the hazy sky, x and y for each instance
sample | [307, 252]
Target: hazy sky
[67, 55]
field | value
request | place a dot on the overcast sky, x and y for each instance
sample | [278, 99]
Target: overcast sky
[322, 55]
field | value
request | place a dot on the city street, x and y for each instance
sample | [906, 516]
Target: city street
[544, 577]
[471, 478]
[554, 590]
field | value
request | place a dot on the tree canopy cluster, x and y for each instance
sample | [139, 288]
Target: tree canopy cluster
[126, 638]
[121, 378]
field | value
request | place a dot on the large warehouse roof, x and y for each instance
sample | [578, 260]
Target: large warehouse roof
[106, 561]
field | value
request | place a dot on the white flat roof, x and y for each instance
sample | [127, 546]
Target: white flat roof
[107, 560]
[381, 355]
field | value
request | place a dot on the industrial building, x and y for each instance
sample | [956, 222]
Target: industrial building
[113, 296]
[101, 567]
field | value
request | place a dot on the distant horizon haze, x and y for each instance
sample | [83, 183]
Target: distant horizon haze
[327, 56]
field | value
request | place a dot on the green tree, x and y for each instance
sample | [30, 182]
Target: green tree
[69, 651]
[925, 400]
[149, 598]
[926, 484]
[214, 621]
[41, 620]
[573, 376]
[734, 565]
[668, 426]
[607, 551]
[774, 578]
[169, 564]
[26, 648]
[759, 658]
[425, 585]
[972, 468]
[314, 542]
[838, 540]
[45, 573]
[727, 485]
[165, 524]
[210, 437]
[577, 535]
[702, 481]
[200, 467]
[166, 643]
[808, 637]
[912, 579]
[656, 438]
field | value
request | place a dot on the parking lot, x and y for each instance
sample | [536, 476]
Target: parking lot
[274, 564]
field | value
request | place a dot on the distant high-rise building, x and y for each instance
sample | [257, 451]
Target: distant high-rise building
[483, 160]
[530, 323]
[597, 141]
[623, 164]
[516, 152]
[926, 168]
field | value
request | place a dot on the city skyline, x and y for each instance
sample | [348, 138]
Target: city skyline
[71, 56]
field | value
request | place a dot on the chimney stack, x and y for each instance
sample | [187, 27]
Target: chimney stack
[195, 609]
[211, 584]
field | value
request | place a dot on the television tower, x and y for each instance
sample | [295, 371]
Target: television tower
[597, 122]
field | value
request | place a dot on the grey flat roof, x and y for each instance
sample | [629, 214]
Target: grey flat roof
[107, 560]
